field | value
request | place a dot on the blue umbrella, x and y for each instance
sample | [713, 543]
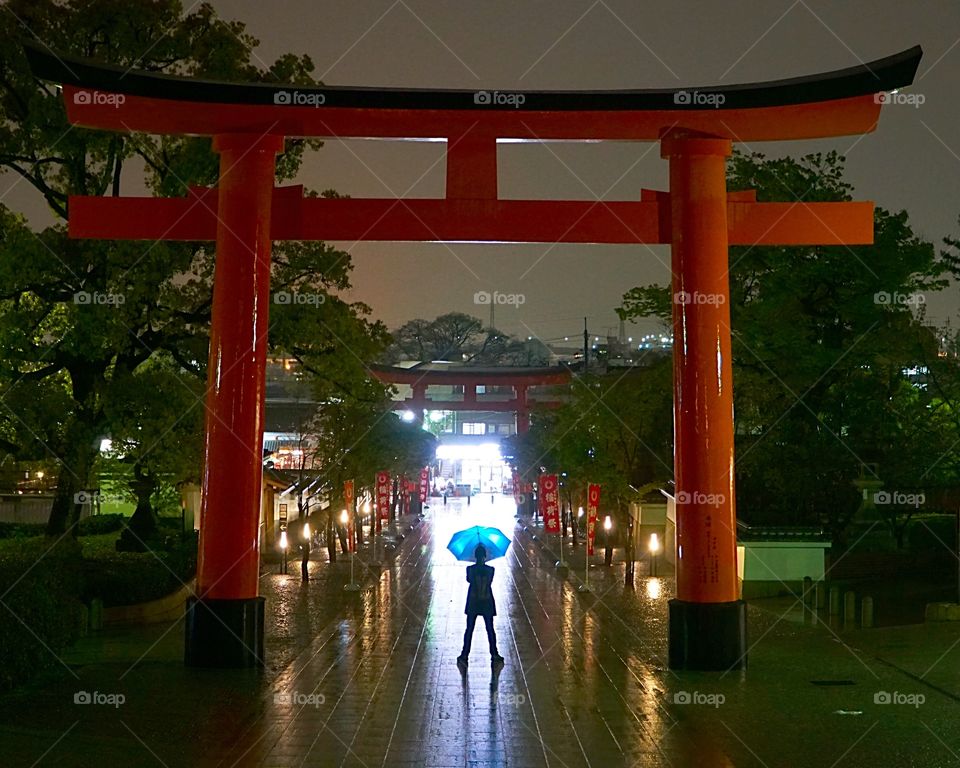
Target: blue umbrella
[463, 543]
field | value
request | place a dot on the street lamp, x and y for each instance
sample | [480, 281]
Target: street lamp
[305, 560]
[654, 548]
[608, 551]
[284, 544]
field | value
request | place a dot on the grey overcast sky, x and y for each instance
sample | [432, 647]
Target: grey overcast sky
[912, 161]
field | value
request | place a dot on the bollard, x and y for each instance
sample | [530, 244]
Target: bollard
[821, 595]
[808, 594]
[849, 610]
[866, 613]
[834, 601]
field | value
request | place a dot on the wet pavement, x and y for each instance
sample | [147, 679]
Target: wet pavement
[369, 679]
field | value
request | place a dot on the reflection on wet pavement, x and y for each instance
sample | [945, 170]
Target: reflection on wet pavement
[369, 679]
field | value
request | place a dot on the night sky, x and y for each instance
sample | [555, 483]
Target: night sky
[912, 161]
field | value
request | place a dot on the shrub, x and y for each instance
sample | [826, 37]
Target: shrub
[40, 583]
[98, 524]
[21, 530]
[125, 578]
[932, 533]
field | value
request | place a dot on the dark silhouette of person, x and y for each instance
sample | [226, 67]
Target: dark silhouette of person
[480, 602]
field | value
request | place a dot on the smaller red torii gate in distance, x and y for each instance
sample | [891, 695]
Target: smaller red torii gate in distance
[698, 217]
[521, 379]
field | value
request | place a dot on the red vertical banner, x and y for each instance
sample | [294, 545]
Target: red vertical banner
[550, 503]
[382, 498]
[383, 495]
[348, 503]
[593, 510]
[517, 489]
[424, 483]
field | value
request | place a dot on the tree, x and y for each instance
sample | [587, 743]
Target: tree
[358, 437]
[616, 430]
[76, 315]
[460, 338]
[156, 429]
[824, 339]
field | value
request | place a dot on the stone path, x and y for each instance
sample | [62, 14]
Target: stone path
[369, 679]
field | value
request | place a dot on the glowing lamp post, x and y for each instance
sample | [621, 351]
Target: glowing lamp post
[305, 559]
[654, 547]
[608, 550]
[284, 545]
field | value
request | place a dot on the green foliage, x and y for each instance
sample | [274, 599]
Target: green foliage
[42, 610]
[460, 338]
[356, 439]
[933, 533]
[823, 338]
[96, 525]
[615, 430]
[73, 372]
[127, 578]
[20, 530]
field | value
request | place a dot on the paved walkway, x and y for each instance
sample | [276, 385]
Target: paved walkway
[369, 679]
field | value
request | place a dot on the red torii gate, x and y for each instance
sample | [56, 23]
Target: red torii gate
[697, 217]
[520, 379]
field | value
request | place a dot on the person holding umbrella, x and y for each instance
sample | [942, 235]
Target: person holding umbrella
[480, 602]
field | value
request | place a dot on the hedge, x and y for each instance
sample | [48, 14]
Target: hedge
[126, 578]
[97, 524]
[45, 585]
[21, 530]
[41, 606]
[932, 533]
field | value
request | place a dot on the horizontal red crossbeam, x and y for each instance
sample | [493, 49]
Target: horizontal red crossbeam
[461, 220]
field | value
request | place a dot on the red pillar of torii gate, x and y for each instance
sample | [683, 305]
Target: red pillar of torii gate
[698, 218]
